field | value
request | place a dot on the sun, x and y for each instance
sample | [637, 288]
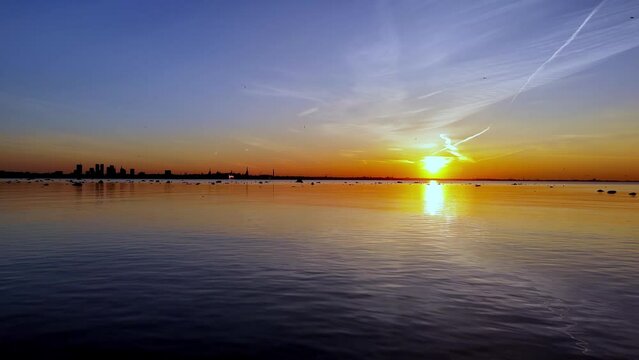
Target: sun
[434, 164]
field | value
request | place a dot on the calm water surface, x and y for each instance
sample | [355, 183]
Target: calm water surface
[331, 270]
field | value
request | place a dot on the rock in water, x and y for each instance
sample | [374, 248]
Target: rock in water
[612, 191]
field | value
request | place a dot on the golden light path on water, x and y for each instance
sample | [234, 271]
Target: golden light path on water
[434, 198]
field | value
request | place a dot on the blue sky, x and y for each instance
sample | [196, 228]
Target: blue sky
[252, 82]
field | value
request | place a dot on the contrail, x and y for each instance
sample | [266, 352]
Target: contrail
[554, 55]
[452, 147]
[430, 94]
[472, 137]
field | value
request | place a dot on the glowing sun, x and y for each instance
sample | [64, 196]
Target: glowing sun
[433, 164]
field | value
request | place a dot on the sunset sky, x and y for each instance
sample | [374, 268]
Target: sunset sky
[341, 88]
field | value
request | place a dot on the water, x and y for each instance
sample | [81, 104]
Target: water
[331, 270]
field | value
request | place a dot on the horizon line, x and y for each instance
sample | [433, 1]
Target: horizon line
[240, 176]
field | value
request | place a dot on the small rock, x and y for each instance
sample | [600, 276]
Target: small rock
[600, 191]
[633, 194]
[612, 191]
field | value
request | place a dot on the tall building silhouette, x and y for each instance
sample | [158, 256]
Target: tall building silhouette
[78, 170]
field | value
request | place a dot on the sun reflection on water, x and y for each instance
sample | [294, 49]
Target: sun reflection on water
[434, 198]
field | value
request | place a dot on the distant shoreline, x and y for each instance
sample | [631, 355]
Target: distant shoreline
[225, 176]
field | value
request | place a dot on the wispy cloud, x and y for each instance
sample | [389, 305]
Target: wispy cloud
[463, 70]
[268, 90]
[308, 112]
[404, 113]
[430, 94]
[579, 136]
[554, 55]
[453, 148]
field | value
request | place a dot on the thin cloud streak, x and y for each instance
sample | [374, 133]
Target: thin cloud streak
[554, 55]
[430, 94]
[474, 85]
[379, 97]
[452, 147]
[267, 90]
[308, 112]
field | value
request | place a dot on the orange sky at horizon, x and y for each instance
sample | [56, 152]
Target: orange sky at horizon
[532, 163]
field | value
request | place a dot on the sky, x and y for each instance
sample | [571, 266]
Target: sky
[337, 88]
